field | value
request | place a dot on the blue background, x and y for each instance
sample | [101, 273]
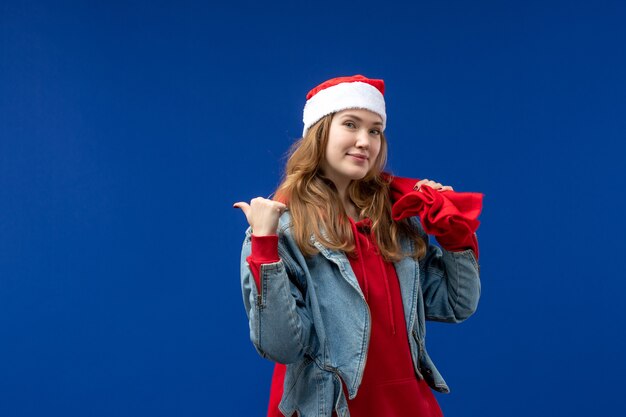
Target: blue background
[128, 129]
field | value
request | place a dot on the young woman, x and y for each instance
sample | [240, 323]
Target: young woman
[337, 272]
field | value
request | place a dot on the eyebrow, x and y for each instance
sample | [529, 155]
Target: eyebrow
[358, 119]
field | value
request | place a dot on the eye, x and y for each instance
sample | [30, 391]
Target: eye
[349, 124]
[375, 132]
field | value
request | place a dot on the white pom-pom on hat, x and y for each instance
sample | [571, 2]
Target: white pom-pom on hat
[342, 93]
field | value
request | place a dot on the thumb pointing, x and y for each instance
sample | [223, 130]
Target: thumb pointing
[245, 207]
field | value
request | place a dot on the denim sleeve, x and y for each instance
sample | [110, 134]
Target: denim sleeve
[280, 324]
[450, 283]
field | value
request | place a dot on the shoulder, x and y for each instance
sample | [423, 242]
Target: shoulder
[289, 251]
[284, 223]
[286, 239]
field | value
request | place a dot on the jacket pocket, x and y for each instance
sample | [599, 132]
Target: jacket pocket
[428, 369]
[312, 391]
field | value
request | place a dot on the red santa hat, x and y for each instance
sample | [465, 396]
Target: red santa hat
[342, 93]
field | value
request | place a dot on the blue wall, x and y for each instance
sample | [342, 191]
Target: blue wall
[128, 130]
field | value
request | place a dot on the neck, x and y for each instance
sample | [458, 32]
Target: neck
[348, 205]
[341, 184]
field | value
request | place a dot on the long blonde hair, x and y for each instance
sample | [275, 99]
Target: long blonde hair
[316, 208]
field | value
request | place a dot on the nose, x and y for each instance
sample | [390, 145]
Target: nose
[362, 139]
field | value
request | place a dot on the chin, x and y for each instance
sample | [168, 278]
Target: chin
[357, 176]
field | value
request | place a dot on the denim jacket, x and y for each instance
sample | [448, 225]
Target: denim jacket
[311, 314]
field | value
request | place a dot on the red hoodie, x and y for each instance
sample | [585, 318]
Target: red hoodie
[389, 386]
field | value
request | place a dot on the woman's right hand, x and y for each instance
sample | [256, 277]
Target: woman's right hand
[262, 215]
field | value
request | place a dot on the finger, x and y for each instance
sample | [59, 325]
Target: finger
[275, 205]
[434, 185]
[257, 200]
[419, 184]
[245, 207]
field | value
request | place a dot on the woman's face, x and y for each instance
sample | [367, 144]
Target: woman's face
[354, 142]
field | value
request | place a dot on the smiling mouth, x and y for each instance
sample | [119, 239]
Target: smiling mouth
[361, 157]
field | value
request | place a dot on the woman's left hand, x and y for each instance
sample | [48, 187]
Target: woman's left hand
[432, 184]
